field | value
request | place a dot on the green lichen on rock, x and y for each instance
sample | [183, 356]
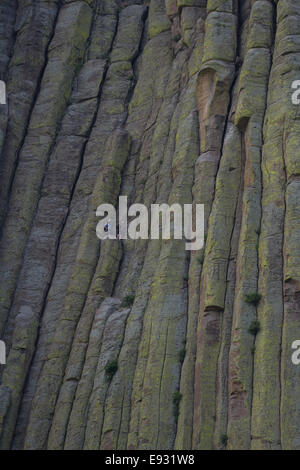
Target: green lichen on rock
[141, 344]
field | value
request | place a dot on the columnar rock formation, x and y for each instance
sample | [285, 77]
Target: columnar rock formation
[164, 101]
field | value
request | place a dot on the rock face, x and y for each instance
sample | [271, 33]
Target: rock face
[164, 101]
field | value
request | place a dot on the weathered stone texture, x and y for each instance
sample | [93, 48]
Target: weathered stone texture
[162, 101]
